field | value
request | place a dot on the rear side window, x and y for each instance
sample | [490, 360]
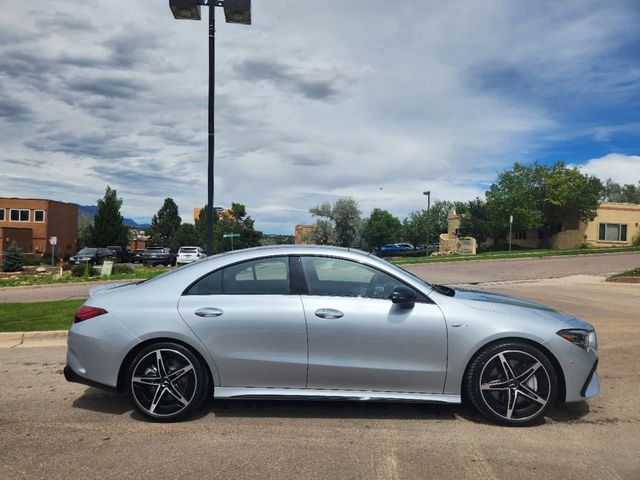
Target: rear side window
[257, 277]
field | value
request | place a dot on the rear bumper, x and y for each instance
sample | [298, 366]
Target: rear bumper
[73, 377]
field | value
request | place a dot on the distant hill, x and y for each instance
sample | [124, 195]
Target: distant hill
[89, 211]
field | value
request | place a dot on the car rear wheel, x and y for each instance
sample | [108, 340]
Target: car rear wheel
[512, 383]
[167, 382]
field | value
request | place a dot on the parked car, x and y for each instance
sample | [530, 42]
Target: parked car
[137, 256]
[390, 248]
[189, 255]
[295, 321]
[120, 255]
[158, 256]
[93, 256]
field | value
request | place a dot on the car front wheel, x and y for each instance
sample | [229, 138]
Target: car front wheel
[167, 382]
[512, 383]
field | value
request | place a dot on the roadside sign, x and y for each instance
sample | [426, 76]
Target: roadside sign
[53, 241]
[107, 268]
[230, 235]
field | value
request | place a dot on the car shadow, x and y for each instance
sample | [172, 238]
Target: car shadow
[102, 401]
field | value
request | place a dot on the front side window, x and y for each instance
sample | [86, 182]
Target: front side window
[19, 215]
[613, 232]
[344, 278]
[257, 277]
[38, 215]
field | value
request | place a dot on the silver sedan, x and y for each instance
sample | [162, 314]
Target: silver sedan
[330, 323]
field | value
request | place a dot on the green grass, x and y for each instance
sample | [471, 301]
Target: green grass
[629, 273]
[515, 254]
[47, 279]
[30, 317]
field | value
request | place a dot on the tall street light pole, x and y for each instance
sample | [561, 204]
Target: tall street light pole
[428, 194]
[235, 11]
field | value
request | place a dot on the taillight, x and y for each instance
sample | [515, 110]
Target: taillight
[85, 312]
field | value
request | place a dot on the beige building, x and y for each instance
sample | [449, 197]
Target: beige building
[31, 222]
[615, 225]
[301, 232]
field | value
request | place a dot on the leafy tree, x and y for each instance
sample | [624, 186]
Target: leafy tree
[475, 221]
[541, 196]
[13, 258]
[107, 228]
[381, 227]
[234, 220]
[164, 224]
[84, 230]
[322, 233]
[420, 224]
[186, 235]
[627, 193]
[343, 217]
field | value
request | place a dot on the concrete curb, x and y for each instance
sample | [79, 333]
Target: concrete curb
[52, 338]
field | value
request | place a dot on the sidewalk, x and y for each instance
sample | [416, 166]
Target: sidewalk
[55, 338]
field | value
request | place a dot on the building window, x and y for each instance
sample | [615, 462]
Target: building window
[38, 215]
[521, 235]
[1, 214]
[19, 215]
[613, 232]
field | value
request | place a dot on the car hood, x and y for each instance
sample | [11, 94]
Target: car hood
[496, 298]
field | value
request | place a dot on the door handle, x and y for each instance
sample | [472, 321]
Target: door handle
[329, 313]
[208, 312]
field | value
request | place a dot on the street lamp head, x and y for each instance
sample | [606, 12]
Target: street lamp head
[237, 11]
[428, 192]
[185, 9]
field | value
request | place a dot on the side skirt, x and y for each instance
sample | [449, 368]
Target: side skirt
[325, 394]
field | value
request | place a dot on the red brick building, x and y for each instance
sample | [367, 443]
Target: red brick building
[31, 222]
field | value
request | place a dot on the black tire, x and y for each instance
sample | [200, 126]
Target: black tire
[170, 388]
[517, 393]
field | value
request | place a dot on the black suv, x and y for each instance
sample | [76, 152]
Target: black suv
[120, 255]
[91, 255]
[158, 256]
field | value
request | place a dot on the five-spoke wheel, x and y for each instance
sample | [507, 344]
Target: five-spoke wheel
[512, 383]
[167, 381]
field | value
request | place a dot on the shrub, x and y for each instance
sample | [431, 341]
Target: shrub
[13, 258]
[118, 269]
[84, 270]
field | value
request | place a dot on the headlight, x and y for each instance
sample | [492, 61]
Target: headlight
[585, 339]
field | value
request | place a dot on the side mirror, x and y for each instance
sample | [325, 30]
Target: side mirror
[403, 296]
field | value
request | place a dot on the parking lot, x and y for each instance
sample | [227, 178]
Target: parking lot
[53, 429]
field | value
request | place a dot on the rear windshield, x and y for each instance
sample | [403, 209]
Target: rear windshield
[188, 250]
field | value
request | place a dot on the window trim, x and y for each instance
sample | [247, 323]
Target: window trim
[44, 216]
[19, 210]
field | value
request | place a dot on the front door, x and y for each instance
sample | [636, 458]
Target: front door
[360, 340]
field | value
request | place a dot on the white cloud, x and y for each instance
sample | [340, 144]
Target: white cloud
[620, 168]
[314, 100]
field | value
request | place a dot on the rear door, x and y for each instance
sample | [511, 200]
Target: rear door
[251, 323]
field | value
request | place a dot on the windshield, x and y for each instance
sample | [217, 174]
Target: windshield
[87, 251]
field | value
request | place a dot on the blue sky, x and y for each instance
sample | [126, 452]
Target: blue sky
[315, 101]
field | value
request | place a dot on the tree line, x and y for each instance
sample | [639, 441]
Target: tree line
[167, 228]
[543, 197]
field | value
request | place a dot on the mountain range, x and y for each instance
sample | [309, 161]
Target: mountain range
[90, 212]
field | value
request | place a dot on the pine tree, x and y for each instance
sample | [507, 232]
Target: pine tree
[107, 228]
[165, 224]
[13, 258]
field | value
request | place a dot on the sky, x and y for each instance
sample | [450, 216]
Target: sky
[315, 101]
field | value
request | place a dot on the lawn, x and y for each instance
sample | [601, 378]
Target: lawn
[515, 254]
[139, 273]
[30, 317]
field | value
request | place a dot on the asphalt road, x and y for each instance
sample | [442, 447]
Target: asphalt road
[53, 429]
[483, 271]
